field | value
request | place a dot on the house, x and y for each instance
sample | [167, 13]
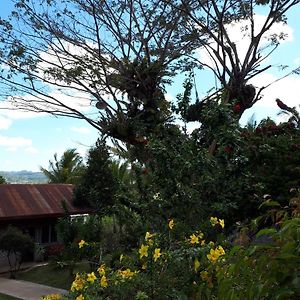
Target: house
[35, 208]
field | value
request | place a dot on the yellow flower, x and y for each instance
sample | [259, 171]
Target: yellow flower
[80, 297]
[91, 277]
[171, 224]
[204, 275]
[103, 281]
[202, 243]
[143, 251]
[213, 221]
[148, 236]
[82, 243]
[194, 239]
[144, 266]
[220, 250]
[213, 255]
[222, 223]
[126, 273]
[101, 270]
[52, 297]
[77, 284]
[157, 254]
[200, 234]
[196, 264]
[211, 244]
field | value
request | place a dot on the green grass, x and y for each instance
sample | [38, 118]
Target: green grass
[6, 297]
[51, 275]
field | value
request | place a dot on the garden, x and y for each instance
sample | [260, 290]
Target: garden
[185, 224]
[188, 203]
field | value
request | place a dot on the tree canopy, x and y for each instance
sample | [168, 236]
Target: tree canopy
[109, 62]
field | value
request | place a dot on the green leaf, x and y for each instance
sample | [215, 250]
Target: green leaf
[266, 231]
[270, 204]
[283, 294]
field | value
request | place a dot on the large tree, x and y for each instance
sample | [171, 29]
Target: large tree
[108, 61]
[234, 66]
[109, 57]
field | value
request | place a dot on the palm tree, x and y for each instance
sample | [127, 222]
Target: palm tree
[66, 170]
[121, 172]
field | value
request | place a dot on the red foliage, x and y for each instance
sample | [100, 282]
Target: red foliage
[228, 149]
[237, 108]
[54, 249]
[145, 171]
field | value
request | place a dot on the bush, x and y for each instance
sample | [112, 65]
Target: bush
[16, 245]
[196, 267]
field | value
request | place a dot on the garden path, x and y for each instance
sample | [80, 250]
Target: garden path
[26, 290]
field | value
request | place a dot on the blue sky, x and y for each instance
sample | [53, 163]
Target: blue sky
[29, 140]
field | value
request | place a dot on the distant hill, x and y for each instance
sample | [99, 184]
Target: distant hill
[24, 177]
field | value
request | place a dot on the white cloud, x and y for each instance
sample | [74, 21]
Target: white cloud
[169, 97]
[297, 61]
[14, 142]
[285, 89]
[31, 150]
[76, 100]
[9, 111]
[83, 130]
[83, 151]
[5, 123]
[15, 109]
[239, 33]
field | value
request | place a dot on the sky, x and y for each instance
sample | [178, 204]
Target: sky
[29, 140]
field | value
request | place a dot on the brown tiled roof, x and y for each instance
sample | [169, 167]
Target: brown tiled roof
[23, 201]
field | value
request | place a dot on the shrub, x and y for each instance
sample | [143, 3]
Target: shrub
[198, 268]
[16, 244]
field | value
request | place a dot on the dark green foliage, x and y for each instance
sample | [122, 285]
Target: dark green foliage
[221, 168]
[274, 157]
[13, 240]
[16, 244]
[266, 270]
[7, 297]
[67, 230]
[98, 186]
[2, 180]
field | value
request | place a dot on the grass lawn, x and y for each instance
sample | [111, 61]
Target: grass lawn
[51, 275]
[6, 297]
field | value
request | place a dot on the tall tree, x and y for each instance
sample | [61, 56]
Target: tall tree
[98, 186]
[114, 57]
[67, 169]
[234, 67]
[108, 61]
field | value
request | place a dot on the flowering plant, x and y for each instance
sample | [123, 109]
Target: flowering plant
[191, 264]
